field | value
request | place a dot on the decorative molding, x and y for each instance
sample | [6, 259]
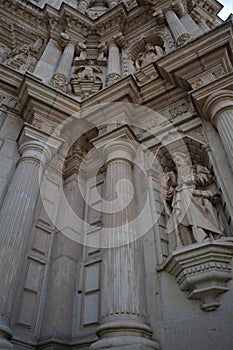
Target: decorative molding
[202, 269]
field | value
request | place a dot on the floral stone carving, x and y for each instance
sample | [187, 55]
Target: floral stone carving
[87, 80]
[203, 270]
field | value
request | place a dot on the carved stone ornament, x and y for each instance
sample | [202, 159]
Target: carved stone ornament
[183, 39]
[151, 53]
[112, 78]
[203, 270]
[21, 59]
[87, 80]
[59, 81]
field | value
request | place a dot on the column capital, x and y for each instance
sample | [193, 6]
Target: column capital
[35, 150]
[120, 143]
[216, 103]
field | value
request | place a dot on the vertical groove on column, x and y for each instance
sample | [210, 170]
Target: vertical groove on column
[225, 129]
[16, 219]
[122, 271]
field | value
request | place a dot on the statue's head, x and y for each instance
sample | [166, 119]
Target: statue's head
[180, 158]
[149, 47]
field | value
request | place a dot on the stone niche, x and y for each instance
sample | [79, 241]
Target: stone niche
[203, 270]
[199, 252]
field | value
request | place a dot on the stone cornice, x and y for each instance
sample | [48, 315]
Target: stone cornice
[198, 54]
[206, 103]
[43, 97]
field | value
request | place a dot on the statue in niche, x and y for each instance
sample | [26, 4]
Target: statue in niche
[21, 58]
[189, 204]
[150, 54]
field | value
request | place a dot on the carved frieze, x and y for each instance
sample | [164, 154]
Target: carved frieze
[207, 77]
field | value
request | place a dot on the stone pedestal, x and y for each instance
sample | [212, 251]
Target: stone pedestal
[16, 219]
[123, 310]
[203, 270]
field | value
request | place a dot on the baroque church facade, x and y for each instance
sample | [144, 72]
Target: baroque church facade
[116, 168]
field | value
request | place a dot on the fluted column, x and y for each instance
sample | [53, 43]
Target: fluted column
[16, 219]
[177, 28]
[123, 309]
[61, 76]
[114, 68]
[224, 125]
[218, 108]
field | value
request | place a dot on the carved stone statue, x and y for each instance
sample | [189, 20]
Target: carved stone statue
[189, 204]
[89, 72]
[150, 54]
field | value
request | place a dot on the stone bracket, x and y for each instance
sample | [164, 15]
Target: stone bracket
[203, 270]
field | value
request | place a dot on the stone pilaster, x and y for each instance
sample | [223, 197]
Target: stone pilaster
[114, 69]
[123, 323]
[177, 28]
[49, 59]
[61, 76]
[219, 109]
[16, 219]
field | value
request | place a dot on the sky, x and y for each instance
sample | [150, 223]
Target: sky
[228, 8]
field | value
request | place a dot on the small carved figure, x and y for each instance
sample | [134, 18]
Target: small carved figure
[190, 206]
[21, 59]
[89, 72]
[150, 54]
[4, 52]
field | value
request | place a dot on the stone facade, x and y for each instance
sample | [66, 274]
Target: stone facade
[116, 169]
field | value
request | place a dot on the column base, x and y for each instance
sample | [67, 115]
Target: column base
[5, 335]
[123, 335]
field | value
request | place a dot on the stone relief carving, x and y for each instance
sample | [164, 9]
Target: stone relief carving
[151, 53]
[21, 58]
[87, 79]
[189, 204]
[4, 52]
[178, 110]
[208, 77]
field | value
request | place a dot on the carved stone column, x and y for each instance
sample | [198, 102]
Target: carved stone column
[114, 69]
[61, 76]
[123, 309]
[219, 109]
[16, 218]
[177, 28]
